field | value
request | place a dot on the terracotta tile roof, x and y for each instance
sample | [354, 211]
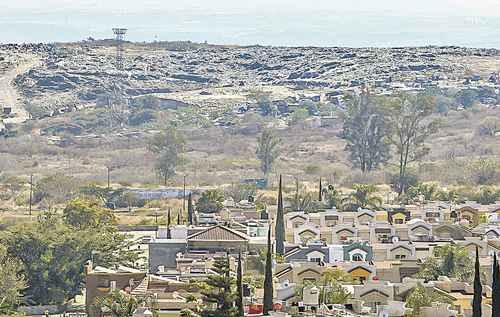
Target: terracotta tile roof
[218, 233]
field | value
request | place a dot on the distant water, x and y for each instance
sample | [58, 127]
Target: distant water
[320, 28]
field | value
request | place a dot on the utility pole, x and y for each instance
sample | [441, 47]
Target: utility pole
[31, 192]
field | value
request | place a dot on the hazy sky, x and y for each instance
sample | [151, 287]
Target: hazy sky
[427, 7]
[267, 22]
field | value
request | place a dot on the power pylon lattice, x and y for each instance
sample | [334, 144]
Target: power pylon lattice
[120, 34]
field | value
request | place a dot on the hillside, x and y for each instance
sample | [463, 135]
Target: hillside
[86, 115]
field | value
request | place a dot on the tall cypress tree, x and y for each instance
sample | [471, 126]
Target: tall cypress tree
[495, 303]
[179, 218]
[239, 286]
[478, 289]
[190, 209]
[280, 224]
[169, 234]
[268, 277]
[320, 197]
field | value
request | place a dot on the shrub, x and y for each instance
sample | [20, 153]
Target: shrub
[210, 201]
[488, 127]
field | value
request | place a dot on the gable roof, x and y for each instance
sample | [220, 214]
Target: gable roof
[366, 213]
[492, 230]
[309, 270]
[359, 267]
[298, 216]
[345, 229]
[421, 225]
[308, 230]
[374, 291]
[401, 246]
[218, 233]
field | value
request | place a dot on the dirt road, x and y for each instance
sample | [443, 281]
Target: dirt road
[9, 96]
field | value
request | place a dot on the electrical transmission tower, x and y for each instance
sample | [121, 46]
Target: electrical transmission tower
[120, 34]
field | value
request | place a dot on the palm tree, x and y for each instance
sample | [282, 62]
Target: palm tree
[362, 197]
[118, 304]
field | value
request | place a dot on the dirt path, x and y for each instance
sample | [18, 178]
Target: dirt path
[9, 96]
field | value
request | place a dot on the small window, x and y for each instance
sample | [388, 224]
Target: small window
[398, 221]
[357, 257]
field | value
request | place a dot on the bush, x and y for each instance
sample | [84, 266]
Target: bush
[487, 196]
[211, 201]
[484, 171]
[488, 127]
[142, 117]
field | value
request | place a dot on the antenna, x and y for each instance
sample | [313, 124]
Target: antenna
[120, 34]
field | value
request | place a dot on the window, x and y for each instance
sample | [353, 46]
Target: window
[398, 221]
[400, 256]
[357, 257]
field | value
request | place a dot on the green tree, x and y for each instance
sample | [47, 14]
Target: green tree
[332, 291]
[190, 209]
[495, 301]
[466, 97]
[449, 260]
[421, 297]
[478, 289]
[299, 116]
[428, 191]
[320, 191]
[365, 133]
[268, 277]
[239, 192]
[335, 293]
[118, 304]
[53, 256]
[333, 197]
[55, 189]
[83, 214]
[487, 196]
[210, 201]
[168, 146]
[218, 294]
[12, 282]
[484, 171]
[268, 150]
[169, 223]
[280, 223]
[411, 126]
[362, 197]
[304, 202]
[239, 288]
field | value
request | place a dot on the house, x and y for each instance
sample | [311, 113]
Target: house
[99, 281]
[374, 293]
[305, 233]
[218, 238]
[358, 252]
[447, 232]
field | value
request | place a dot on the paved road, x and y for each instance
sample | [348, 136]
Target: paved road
[9, 96]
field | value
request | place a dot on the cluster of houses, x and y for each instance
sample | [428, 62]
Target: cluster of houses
[381, 251]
